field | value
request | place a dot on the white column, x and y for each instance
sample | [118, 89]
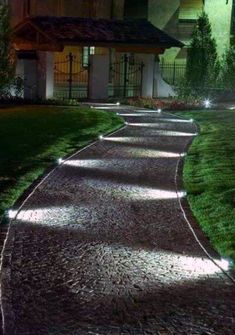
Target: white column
[161, 88]
[99, 77]
[30, 78]
[148, 75]
[45, 75]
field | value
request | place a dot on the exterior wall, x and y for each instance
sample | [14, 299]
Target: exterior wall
[118, 9]
[220, 17]
[136, 9]
[164, 15]
[80, 8]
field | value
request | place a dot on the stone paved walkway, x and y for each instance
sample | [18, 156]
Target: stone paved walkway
[102, 246]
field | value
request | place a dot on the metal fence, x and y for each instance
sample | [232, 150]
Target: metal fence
[172, 73]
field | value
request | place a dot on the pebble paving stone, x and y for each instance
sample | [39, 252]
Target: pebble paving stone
[102, 246]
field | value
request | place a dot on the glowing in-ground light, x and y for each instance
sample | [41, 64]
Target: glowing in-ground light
[11, 214]
[207, 103]
[225, 264]
[60, 161]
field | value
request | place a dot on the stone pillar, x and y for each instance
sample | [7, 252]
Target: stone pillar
[148, 75]
[161, 88]
[45, 75]
[99, 77]
[30, 78]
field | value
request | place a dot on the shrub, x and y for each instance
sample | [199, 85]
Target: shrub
[202, 62]
[6, 58]
[228, 69]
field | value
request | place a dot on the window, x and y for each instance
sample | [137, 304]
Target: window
[87, 51]
[190, 10]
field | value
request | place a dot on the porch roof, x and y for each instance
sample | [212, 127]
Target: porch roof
[43, 30]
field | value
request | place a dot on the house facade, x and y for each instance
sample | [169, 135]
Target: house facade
[85, 49]
[178, 19]
[131, 69]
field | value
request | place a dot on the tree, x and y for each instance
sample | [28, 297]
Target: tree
[6, 65]
[228, 69]
[202, 63]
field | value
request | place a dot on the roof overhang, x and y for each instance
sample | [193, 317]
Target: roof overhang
[32, 35]
[28, 36]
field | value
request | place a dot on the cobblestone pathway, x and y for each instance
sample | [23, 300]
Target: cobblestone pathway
[102, 246]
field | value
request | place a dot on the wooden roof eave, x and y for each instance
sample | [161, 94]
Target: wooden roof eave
[52, 44]
[124, 47]
[21, 43]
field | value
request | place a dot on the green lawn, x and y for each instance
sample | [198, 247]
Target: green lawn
[33, 137]
[209, 176]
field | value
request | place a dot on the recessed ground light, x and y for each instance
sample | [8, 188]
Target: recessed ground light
[101, 137]
[118, 103]
[207, 103]
[60, 161]
[159, 110]
[225, 264]
[11, 214]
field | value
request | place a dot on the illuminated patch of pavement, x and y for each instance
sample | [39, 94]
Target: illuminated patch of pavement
[102, 246]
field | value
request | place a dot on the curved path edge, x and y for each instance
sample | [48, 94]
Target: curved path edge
[7, 310]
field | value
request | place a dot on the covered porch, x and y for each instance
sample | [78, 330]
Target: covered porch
[77, 58]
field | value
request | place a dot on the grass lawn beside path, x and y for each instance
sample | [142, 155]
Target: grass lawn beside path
[33, 137]
[209, 177]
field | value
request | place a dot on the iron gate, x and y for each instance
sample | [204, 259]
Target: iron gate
[126, 78]
[70, 79]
